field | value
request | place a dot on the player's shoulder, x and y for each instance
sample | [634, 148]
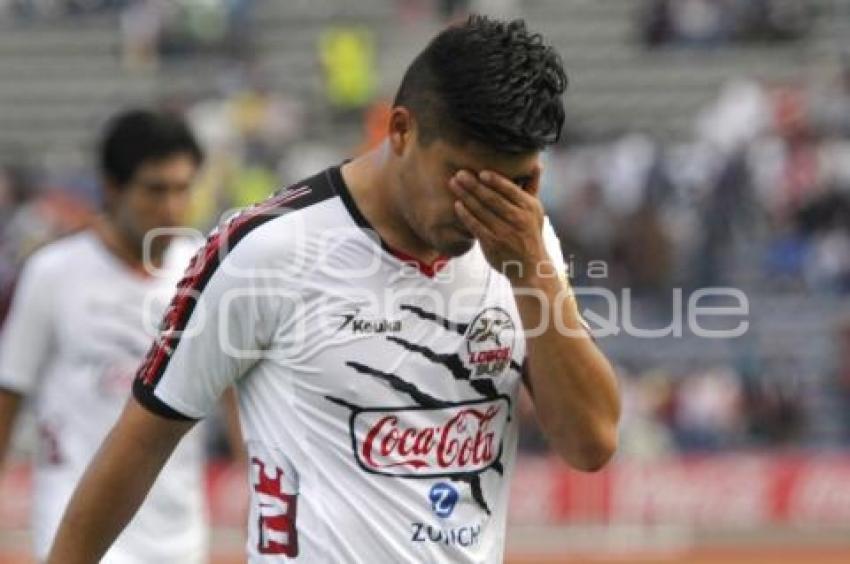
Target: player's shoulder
[55, 257]
[270, 228]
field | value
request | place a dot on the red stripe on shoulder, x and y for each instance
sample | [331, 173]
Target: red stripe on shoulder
[201, 268]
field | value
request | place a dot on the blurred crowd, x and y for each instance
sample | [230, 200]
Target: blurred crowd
[22, 10]
[756, 197]
[151, 29]
[706, 23]
[758, 193]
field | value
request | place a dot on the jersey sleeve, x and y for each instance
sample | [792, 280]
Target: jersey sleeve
[553, 247]
[215, 329]
[27, 335]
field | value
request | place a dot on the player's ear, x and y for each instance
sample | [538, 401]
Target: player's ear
[400, 129]
[111, 194]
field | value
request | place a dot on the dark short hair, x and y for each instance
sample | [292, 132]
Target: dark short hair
[138, 136]
[487, 81]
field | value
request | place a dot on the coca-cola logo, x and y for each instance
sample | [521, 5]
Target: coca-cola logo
[461, 438]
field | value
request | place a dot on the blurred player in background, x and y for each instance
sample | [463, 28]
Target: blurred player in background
[76, 333]
[372, 319]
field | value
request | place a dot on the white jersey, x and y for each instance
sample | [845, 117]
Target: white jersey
[74, 339]
[377, 394]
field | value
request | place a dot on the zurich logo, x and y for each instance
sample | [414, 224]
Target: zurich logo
[443, 498]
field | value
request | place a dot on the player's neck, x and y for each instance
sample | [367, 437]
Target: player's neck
[119, 245]
[367, 178]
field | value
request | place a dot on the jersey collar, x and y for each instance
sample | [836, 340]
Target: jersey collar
[341, 188]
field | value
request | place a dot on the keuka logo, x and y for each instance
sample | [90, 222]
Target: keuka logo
[358, 325]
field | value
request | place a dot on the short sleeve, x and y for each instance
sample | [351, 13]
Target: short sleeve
[236, 296]
[27, 335]
[553, 247]
[212, 333]
[556, 254]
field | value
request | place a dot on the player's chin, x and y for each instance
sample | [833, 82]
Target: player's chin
[455, 242]
[157, 246]
[162, 241]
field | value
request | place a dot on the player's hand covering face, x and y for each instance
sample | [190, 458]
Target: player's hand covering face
[506, 219]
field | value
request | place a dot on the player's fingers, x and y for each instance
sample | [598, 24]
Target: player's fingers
[507, 188]
[533, 187]
[485, 197]
[475, 206]
[478, 229]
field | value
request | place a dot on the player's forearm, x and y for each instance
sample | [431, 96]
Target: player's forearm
[114, 486]
[574, 387]
[10, 405]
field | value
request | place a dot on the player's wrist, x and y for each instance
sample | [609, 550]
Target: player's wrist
[534, 274]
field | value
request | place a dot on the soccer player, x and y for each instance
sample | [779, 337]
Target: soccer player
[76, 334]
[378, 320]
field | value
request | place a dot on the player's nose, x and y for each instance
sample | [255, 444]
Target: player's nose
[172, 210]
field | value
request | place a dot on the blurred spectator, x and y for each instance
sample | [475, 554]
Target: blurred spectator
[656, 23]
[265, 120]
[348, 58]
[141, 26]
[497, 8]
[14, 190]
[41, 9]
[452, 9]
[645, 251]
[829, 105]
[709, 412]
[704, 23]
[645, 427]
[194, 26]
[151, 28]
[774, 406]
[741, 112]
[33, 220]
[247, 136]
[699, 22]
[772, 20]
[842, 380]
[375, 123]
